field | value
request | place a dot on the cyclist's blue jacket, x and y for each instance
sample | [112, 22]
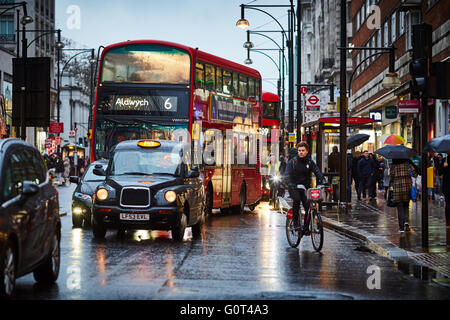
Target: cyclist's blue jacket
[298, 171]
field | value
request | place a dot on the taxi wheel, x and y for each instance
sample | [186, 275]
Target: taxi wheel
[98, 228]
[197, 228]
[77, 220]
[209, 200]
[178, 230]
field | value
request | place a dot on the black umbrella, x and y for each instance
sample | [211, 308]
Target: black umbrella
[440, 144]
[356, 140]
[396, 152]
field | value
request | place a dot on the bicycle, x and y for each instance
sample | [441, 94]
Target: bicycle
[315, 225]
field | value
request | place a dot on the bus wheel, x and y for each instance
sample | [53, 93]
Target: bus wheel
[242, 199]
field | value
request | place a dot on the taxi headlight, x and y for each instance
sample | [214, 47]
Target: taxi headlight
[170, 196]
[77, 210]
[102, 194]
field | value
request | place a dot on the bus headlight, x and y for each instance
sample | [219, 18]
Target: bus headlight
[102, 194]
[170, 196]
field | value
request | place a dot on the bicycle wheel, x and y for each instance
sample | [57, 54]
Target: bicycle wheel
[293, 235]
[316, 230]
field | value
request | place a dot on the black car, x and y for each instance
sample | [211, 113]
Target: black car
[82, 196]
[30, 226]
[149, 185]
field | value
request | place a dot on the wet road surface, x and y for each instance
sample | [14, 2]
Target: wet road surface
[238, 257]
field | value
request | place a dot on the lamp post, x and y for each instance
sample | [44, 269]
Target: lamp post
[243, 24]
[281, 71]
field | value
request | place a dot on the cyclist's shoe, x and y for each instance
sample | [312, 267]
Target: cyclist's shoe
[305, 231]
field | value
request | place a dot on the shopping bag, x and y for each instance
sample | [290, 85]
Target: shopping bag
[390, 198]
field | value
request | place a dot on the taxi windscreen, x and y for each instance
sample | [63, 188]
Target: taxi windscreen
[145, 162]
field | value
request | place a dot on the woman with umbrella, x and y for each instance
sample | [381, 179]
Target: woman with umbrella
[400, 179]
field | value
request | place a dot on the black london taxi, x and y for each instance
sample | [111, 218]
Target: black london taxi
[149, 185]
[82, 195]
[30, 226]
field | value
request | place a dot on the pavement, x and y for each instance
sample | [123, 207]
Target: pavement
[376, 224]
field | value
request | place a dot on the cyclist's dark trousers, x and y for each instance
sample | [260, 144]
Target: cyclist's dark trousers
[299, 196]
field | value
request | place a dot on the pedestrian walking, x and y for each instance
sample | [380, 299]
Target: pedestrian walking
[446, 188]
[400, 180]
[355, 175]
[67, 168]
[386, 180]
[59, 168]
[366, 171]
[439, 174]
[333, 167]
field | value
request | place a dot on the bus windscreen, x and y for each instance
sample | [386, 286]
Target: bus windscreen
[146, 63]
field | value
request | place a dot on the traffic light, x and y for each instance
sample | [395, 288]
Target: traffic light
[420, 66]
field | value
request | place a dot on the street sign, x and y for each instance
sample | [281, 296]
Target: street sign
[313, 99]
[48, 143]
[408, 106]
[350, 120]
[303, 90]
[56, 127]
[71, 134]
[390, 112]
[291, 137]
[376, 115]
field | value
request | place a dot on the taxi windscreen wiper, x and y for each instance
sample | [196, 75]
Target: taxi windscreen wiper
[135, 174]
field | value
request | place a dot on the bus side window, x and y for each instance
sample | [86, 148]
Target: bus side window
[251, 87]
[210, 73]
[258, 90]
[199, 76]
[219, 82]
[227, 82]
[243, 92]
[235, 84]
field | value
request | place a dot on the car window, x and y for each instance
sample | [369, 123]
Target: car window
[90, 176]
[39, 167]
[15, 174]
[32, 166]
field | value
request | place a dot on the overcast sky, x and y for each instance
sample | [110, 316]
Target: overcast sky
[209, 25]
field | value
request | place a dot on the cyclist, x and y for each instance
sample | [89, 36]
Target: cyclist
[274, 176]
[298, 171]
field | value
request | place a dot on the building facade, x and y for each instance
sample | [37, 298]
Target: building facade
[40, 44]
[395, 29]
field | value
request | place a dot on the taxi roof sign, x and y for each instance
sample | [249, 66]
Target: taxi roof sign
[149, 144]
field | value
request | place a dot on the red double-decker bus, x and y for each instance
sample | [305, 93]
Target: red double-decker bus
[153, 89]
[270, 122]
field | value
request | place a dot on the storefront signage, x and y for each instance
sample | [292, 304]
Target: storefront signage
[56, 127]
[408, 106]
[390, 112]
[350, 120]
[291, 137]
[376, 115]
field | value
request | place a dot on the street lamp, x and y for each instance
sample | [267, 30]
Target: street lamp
[243, 24]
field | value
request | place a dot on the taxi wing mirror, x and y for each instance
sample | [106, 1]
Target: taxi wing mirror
[29, 189]
[74, 179]
[99, 172]
[194, 173]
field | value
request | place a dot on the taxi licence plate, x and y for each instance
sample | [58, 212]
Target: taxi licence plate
[134, 217]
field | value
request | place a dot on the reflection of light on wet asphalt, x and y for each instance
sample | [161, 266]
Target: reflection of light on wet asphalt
[101, 266]
[141, 235]
[269, 257]
[77, 235]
